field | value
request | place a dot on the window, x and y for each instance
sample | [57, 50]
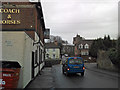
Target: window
[36, 57]
[82, 53]
[47, 50]
[86, 46]
[75, 61]
[47, 56]
[53, 55]
[53, 49]
[86, 53]
[80, 46]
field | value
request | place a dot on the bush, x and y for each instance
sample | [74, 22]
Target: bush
[113, 55]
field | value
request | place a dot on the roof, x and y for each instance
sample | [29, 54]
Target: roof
[68, 44]
[89, 42]
[51, 45]
[74, 58]
[19, 6]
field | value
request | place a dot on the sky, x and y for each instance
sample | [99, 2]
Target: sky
[90, 19]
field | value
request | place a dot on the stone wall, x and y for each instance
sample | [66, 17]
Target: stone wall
[104, 62]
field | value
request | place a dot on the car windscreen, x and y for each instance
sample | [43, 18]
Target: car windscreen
[75, 61]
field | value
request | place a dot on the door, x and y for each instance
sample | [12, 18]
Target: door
[33, 55]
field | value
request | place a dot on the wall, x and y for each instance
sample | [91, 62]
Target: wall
[12, 49]
[25, 17]
[12, 46]
[28, 48]
[104, 62]
[17, 46]
[68, 49]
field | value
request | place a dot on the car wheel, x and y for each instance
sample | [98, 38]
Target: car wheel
[67, 73]
[82, 74]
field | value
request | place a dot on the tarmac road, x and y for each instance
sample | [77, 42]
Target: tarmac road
[92, 79]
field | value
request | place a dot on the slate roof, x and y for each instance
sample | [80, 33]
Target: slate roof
[89, 42]
[51, 45]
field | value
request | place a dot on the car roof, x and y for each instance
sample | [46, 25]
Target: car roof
[74, 57]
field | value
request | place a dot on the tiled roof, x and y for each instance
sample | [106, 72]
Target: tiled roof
[51, 45]
[89, 42]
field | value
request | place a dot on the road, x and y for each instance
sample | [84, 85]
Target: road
[91, 79]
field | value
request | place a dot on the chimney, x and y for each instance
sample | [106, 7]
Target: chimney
[55, 42]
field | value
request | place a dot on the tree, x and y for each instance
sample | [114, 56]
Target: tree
[100, 44]
[54, 38]
[118, 48]
[107, 42]
[114, 54]
[94, 49]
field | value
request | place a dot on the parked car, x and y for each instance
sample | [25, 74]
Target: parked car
[73, 65]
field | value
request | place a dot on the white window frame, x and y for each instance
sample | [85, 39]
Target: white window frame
[54, 55]
[86, 46]
[81, 46]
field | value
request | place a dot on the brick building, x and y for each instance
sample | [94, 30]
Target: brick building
[82, 46]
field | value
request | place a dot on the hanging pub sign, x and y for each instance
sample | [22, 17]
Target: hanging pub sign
[7, 15]
[47, 34]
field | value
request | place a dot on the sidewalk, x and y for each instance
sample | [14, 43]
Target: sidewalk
[93, 67]
[45, 80]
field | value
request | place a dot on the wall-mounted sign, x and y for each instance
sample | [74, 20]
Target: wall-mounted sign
[18, 18]
[7, 16]
[10, 10]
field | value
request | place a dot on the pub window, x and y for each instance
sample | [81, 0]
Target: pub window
[36, 57]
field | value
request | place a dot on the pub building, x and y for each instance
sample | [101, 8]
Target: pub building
[23, 34]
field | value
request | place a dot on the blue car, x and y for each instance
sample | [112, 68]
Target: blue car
[73, 65]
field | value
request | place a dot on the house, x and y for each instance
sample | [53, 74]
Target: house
[52, 51]
[22, 33]
[82, 46]
[52, 54]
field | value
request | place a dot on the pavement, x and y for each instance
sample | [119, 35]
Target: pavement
[93, 67]
[45, 80]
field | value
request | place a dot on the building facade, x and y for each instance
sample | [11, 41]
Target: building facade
[23, 38]
[52, 51]
[67, 49]
[82, 46]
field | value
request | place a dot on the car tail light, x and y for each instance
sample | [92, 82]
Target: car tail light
[83, 68]
[68, 69]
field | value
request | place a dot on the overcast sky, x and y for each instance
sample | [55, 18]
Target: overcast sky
[90, 19]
